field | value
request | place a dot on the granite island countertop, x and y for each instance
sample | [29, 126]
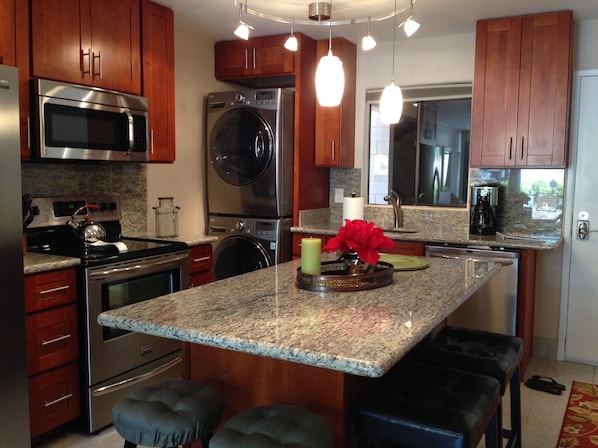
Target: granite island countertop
[445, 236]
[35, 263]
[263, 313]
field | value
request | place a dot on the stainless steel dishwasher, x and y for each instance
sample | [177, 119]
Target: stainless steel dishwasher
[494, 306]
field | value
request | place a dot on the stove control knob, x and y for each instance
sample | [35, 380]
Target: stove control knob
[103, 206]
[240, 226]
[112, 206]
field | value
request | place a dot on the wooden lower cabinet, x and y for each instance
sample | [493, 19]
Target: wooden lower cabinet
[246, 380]
[51, 323]
[200, 265]
[408, 248]
[54, 398]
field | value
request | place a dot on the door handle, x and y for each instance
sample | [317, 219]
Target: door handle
[583, 229]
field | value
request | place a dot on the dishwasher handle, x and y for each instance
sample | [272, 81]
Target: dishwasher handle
[501, 261]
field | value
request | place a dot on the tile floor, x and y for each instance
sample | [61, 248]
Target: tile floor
[542, 413]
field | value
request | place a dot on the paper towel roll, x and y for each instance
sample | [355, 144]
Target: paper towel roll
[353, 208]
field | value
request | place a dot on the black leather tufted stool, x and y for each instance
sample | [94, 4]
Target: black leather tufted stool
[168, 414]
[272, 427]
[485, 353]
[423, 406]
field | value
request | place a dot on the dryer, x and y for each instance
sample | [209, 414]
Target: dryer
[250, 135]
[248, 244]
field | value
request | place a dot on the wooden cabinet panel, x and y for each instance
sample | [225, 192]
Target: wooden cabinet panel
[52, 338]
[91, 42]
[50, 289]
[54, 398]
[408, 248]
[7, 33]
[335, 126]
[157, 33]
[521, 91]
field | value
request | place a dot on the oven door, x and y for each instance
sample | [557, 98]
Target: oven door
[111, 352]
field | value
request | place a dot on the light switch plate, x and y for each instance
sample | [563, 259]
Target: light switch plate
[339, 193]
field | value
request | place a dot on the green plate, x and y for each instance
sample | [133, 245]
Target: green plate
[405, 262]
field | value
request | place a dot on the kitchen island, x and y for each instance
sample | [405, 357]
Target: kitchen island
[259, 339]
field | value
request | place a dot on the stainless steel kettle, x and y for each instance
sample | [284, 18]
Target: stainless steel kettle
[87, 231]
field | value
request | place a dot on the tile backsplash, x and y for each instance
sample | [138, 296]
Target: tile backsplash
[128, 181]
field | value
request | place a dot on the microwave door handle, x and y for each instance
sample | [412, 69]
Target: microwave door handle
[131, 131]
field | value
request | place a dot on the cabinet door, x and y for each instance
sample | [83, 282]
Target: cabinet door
[50, 289]
[158, 79]
[270, 57]
[56, 40]
[544, 93]
[7, 32]
[232, 59]
[335, 126]
[114, 26]
[495, 93]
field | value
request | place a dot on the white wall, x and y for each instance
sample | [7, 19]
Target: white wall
[184, 179]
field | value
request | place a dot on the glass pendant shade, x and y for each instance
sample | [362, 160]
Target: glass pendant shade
[410, 27]
[330, 81]
[368, 42]
[242, 31]
[391, 104]
[291, 43]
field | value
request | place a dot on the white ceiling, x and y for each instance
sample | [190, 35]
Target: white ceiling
[217, 19]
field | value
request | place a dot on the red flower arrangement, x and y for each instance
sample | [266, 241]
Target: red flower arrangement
[361, 237]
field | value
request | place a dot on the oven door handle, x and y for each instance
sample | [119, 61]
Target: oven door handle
[155, 266]
[136, 379]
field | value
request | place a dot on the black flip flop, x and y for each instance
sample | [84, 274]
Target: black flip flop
[544, 384]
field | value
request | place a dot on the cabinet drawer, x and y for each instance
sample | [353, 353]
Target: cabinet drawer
[201, 278]
[200, 258]
[408, 248]
[52, 338]
[50, 289]
[54, 398]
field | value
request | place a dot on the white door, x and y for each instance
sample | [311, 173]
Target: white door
[580, 256]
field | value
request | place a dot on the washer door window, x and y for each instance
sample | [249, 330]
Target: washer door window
[237, 255]
[241, 146]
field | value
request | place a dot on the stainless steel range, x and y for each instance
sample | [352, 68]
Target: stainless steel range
[115, 271]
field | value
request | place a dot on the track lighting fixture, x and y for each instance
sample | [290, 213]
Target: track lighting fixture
[242, 30]
[291, 42]
[368, 42]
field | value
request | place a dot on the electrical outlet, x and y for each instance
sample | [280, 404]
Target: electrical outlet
[339, 193]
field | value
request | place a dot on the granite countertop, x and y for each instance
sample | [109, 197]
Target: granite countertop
[263, 313]
[34, 263]
[445, 236]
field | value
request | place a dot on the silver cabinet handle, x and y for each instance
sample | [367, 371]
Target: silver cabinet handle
[88, 54]
[246, 59]
[152, 141]
[510, 148]
[58, 339]
[47, 404]
[522, 142]
[131, 130]
[99, 58]
[254, 63]
[59, 288]
[333, 147]
[28, 132]
[197, 260]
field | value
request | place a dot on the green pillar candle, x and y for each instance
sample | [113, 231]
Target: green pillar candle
[311, 255]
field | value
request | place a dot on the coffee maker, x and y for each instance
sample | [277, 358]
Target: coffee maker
[484, 200]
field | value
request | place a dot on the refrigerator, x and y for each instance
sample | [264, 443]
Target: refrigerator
[14, 394]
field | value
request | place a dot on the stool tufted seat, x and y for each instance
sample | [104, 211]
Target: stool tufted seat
[168, 414]
[272, 427]
[423, 406]
[485, 353]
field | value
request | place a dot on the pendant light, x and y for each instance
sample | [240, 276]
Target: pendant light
[368, 42]
[291, 42]
[410, 26]
[330, 78]
[391, 101]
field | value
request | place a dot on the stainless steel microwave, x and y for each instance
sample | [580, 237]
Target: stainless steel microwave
[86, 123]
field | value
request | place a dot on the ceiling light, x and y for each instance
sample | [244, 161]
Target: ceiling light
[410, 27]
[368, 42]
[242, 30]
[291, 42]
[330, 78]
[391, 101]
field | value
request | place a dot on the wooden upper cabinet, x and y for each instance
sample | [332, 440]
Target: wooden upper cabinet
[90, 42]
[520, 111]
[7, 33]
[335, 126]
[260, 56]
[157, 34]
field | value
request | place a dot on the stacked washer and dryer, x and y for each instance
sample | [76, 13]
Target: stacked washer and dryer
[250, 136]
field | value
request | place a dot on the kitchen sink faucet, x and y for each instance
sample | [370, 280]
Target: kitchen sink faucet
[394, 200]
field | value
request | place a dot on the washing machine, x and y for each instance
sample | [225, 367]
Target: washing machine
[250, 135]
[248, 244]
